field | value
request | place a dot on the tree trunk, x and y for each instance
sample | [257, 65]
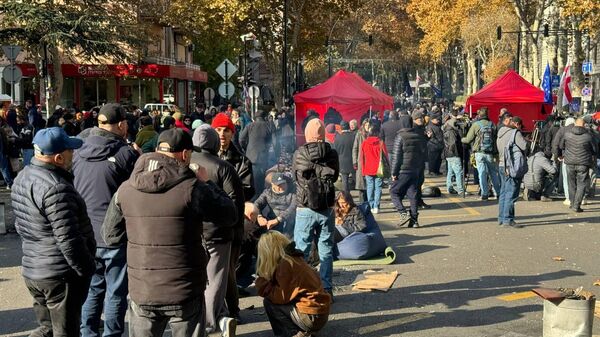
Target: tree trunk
[466, 78]
[472, 67]
[56, 87]
[578, 59]
[535, 63]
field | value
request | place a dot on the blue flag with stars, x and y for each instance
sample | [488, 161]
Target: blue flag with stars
[547, 85]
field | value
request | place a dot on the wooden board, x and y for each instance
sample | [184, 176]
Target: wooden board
[381, 281]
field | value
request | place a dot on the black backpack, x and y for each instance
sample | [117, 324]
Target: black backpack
[320, 188]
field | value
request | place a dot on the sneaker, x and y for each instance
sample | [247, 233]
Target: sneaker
[452, 192]
[413, 223]
[423, 205]
[484, 198]
[545, 199]
[228, 326]
[584, 202]
[567, 202]
[525, 194]
[8, 188]
[577, 210]
[513, 224]
[404, 218]
[375, 211]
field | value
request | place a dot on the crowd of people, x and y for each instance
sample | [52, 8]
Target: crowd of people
[170, 216]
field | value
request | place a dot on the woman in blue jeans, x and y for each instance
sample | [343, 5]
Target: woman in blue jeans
[372, 150]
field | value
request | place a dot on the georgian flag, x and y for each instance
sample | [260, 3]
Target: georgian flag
[565, 83]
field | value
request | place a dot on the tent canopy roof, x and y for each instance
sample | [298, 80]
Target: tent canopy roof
[508, 88]
[344, 88]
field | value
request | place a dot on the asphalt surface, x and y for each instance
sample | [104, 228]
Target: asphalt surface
[453, 272]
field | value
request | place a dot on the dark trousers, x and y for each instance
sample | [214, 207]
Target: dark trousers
[286, 321]
[258, 173]
[246, 266]
[405, 185]
[232, 297]
[434, 160]
[57, 305]
[579, 181]
[108, 293]
[420, 181]
[347, 181]
[186, 320]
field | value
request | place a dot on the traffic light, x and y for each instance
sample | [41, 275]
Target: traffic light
[546, 30]
[586, 79]
[370, 40]
[499, 33]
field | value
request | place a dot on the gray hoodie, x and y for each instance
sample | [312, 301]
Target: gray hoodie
[504, 137]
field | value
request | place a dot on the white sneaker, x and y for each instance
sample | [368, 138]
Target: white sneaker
[228, 326]
[567, 202]
[584, 202]
[375, 211]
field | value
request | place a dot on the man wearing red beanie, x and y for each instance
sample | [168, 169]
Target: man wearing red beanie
[239, 254]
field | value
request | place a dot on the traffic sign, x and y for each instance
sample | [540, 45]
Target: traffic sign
[586, 98]
[12, 74]
[586, 91]
[254, 92]
[586, 67]
[555, 81]
[226, 89]
[11, 52]
[209, 94]
[226, 69]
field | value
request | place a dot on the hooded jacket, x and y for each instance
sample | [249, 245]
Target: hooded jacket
[371, 155]
[159, 213]
[578, 147]
[539, 167]
[100, 166]
[224, 175]
[233, 155]
[50, 216]
[504, 137]
[145, 134]
[452, 145]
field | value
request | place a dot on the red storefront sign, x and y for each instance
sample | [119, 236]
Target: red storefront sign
[124, 70]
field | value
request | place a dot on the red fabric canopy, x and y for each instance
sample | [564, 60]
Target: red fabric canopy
[346, 92]
[513, 92]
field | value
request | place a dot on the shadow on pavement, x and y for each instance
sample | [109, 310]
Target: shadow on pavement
[16, 321]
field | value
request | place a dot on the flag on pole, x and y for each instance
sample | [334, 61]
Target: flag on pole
[565, 83]
[547, 85]
[436, 91]
[406, 83]
[418, 80]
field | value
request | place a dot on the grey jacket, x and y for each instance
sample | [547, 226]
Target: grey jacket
[539, 167]
[504, 137]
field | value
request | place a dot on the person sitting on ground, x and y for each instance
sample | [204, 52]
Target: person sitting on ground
[294, 299]
[539, 181]
[277, 206]
[348, 217]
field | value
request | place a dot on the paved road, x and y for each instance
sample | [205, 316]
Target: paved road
[452, 272]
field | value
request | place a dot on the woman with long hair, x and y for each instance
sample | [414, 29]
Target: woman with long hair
[294, 298]
[348, 217]
[372, 150]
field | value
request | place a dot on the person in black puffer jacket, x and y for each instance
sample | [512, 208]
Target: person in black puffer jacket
[219, 238]
[580, 151]
[316, 167]
[256, 139]
[435, 145]
[409, 156]
[57, 237]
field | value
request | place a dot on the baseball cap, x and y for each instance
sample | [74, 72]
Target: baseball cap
[278, 179]
[111, 113]
[54, 140]
[177, 140]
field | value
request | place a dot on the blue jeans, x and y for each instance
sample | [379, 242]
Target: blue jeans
[509, 193]
[455, 170]
[320, 225]
[374, 185]
[27, 155]
[565, 176]
[485, 167]
[108, 291]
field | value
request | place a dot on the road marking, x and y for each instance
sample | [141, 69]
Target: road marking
[392, 323]
[470, 210]
[517, 296]
[396, 217]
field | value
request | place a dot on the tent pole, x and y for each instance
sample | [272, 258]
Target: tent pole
[470, 111]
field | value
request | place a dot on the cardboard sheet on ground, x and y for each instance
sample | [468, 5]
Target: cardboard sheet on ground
[388, 258]
[372, 280]
[597, 310]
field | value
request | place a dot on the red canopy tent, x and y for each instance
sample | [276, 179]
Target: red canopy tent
[513, 92]
[346, 92]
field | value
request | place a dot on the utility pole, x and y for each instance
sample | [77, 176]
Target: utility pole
[284, 57]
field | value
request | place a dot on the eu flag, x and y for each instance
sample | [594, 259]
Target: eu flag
[547, 85]
[406, 84]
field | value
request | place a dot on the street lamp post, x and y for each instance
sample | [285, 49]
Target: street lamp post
[284, 57]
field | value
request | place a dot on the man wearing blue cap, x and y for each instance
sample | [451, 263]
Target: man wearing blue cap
[58, 240]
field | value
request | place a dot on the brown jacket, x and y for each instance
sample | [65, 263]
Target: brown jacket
[297, 283]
